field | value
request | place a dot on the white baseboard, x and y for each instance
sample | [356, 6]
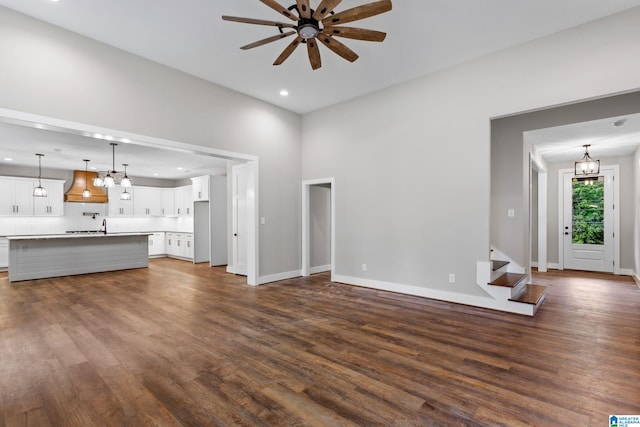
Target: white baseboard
[553, 266]
[626, 272]
[320, 269]
[453, 297]
[279, 276]
[230, 269]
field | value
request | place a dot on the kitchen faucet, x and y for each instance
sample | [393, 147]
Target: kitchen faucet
[104, 226]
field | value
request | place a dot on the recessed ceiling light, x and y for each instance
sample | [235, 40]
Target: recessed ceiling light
[180, 169]
[284, 92]
[7, 159]
[98, 135]
[156, 174]
[620, 122]
[108, 138]
[125, 140]
[93, 168]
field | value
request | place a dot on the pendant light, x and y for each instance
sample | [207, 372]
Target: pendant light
[86, 193]
[111, 177]
[39, 191]
[125, 195]
[125, 181]
[586, 165]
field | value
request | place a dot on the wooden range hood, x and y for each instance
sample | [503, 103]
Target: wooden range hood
[79, 184]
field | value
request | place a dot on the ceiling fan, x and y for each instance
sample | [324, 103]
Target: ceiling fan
[321, 24]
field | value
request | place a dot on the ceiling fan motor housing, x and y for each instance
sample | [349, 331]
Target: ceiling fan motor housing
[308, 28]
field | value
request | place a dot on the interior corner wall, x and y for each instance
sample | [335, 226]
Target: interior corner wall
[52, 72]
[413, 162]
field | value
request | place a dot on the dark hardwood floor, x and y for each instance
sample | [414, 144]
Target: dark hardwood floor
[178, 344]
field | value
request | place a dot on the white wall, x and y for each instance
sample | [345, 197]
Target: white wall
[413, 161]
[52, 72]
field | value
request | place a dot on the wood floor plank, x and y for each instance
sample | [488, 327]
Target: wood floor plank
[181, 344]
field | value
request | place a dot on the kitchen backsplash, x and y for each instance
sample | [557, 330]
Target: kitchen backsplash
[74, 219]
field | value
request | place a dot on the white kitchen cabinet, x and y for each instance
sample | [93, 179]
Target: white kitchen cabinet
[183, 201]
[200, 188]
[179, 245]
[168, 203]
[4, 253]
[119, 207]
[147, 201]
[157, 245]
[53, 204]
[16, 196]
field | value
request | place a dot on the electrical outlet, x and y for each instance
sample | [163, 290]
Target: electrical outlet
[452, 278]
[364, 267]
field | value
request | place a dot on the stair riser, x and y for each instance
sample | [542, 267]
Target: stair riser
[517, 288]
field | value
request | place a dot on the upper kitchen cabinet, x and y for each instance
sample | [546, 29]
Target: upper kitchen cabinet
[16, 196]
[118, 207]
[147, 201]
[168, 202]
[200, 188]
[52, 205]
[184, 201]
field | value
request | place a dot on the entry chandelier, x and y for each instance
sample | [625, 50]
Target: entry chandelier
[112, 177]
[586, 165]
[39, 191]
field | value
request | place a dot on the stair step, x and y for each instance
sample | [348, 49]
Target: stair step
[530, 294]
[508, 280]
[497, 265]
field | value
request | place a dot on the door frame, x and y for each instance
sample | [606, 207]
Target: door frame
[616, 215]
[253, 246]
[541, 203]
[306, 224]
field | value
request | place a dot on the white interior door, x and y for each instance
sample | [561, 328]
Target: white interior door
[240, 221]
[588, 226]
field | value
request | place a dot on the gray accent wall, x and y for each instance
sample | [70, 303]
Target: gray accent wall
[57, 73]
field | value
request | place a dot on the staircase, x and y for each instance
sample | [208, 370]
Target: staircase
[514, 287]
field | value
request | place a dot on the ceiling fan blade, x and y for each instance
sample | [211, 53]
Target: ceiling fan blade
[337, 47]
[359, 12]
[267, 40]
[304, 9]
[314, 54]
[280, 9]
[288, 51]
[355, 33]
[324, 8]
[257, 21]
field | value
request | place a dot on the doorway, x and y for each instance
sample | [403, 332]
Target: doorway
[589, 222]
[244, 219]
[318, 226]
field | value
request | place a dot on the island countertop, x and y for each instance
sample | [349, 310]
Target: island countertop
[55, 255]
[74, 235]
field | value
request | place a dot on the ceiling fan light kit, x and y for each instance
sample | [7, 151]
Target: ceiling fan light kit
[320, 24]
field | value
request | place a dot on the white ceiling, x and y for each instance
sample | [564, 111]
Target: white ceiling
[423, 36]
[189, 35]
[66, 151]
[565, 143]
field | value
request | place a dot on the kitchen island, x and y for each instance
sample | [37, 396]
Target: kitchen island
[55, 255]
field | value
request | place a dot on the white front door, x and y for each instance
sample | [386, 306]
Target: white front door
[588, 226]
[240, 237]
